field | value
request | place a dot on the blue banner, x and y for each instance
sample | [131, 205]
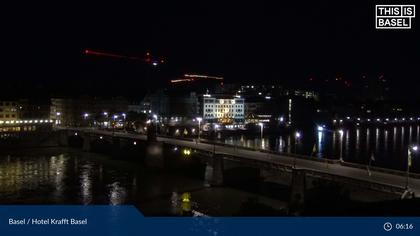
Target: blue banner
[127, 220]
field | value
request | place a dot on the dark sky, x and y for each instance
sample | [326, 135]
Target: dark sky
[260, 41]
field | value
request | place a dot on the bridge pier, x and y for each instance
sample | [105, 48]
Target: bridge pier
[86, 143]
[275, 176]
[297, 192]
[151, 132]
[214, 171]
[63, 138]
[154, 155]
[116, 146]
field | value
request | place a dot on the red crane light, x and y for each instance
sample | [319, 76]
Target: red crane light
[146, 59]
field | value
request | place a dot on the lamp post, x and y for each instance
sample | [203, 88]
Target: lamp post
[106, 120]
[320, 128]
[57, 118]
[113, 126]
[199, 119]
[411, 149]
[85, 117]
[341, 132]
[262, 129]
[124, 121]
[297, 137]
[155, 117]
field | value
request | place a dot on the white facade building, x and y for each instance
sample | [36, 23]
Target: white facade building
[223, 110]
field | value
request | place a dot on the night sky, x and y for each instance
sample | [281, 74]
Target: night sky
[42, 45]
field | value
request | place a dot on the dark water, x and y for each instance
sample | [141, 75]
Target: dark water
[69, 176]
[388, 145]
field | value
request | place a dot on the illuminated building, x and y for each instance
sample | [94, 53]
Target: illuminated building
[290, 111]
[8, 110]
[223, 110]
[169, 103]
[8, 115]
[260, 109]
[22, 116]
[82, 111]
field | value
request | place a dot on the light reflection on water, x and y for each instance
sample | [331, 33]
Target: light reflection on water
[85, 183]
[387, 144]
[56, 178]
[76, 177]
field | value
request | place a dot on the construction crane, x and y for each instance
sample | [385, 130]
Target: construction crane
[148, 59]
[195, 77]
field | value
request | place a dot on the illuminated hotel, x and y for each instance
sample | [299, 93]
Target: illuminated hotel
[223, 110]
[8, 110]
[11, 120]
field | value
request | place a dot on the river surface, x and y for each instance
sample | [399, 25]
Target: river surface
[385, 146]
[70, 176]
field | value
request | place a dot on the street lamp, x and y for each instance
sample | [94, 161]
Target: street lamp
[124, 119]
[85, 117]
[262, 128]
[155, 117]
[297, 137]
[106, 120]
[199, 119]
[57, 118]
[412, 148]
[341, 132]
[113, 126]
[320, 128]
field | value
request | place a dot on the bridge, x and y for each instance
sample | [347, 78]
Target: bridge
[385, 180]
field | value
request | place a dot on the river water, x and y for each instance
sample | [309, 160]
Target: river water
[70, 176]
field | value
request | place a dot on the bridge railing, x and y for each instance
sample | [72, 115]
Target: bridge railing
[397, 189]
[304, 157]
[292, 155]
[380, 169]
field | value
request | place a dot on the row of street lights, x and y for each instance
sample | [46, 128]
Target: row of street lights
[115, 116]
[199, 119]
[410, 150]
[298, 135]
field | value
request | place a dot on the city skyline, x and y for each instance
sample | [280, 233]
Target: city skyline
[243, 42]
[211, 108]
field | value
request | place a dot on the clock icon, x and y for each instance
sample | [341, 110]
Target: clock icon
[387, 226]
